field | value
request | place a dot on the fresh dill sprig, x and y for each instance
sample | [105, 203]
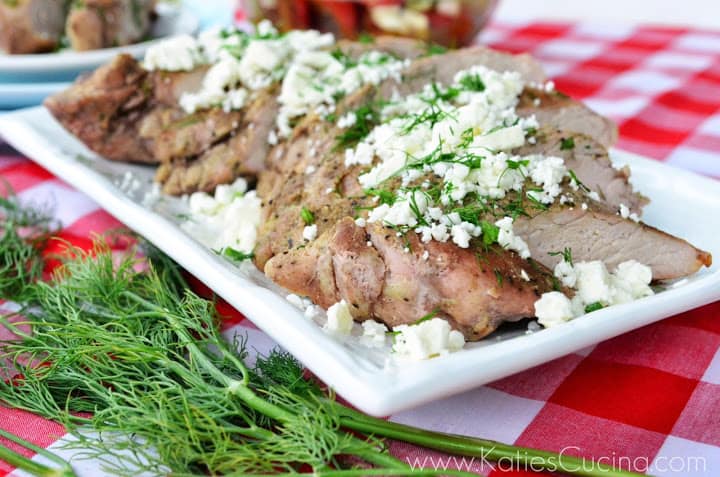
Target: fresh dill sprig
[25, 231]
[124, 339]
[367, 117]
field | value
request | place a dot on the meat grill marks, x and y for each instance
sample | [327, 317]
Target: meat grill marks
[38, 26]
[31, 26]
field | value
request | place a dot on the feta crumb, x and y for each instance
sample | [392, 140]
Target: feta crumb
[584, 206]
[228, 219]
[179, 53]
[347, 120]
[425, 255]
[524, 275]
[339, 319]
[594, 195]
[427, 339]
[594, 284]
[310, 169]
[374, 333]
[507, 238]
[565, 272]
[310, 232]
[553, 308]
[360, 222]
[624, 211]
[295, 300]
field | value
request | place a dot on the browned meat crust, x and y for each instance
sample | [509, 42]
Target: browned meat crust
[104, 110]
[476, 290]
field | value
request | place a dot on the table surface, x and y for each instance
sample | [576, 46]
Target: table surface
[647, 400]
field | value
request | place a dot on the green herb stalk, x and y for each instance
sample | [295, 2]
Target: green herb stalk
[126, 341]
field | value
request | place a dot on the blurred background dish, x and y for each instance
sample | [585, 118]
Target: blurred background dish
[65, 65]
[451, 23]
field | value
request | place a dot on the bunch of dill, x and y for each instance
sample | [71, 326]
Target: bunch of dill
[133, 363]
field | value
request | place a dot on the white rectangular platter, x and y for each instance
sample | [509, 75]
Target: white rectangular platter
[683, 203]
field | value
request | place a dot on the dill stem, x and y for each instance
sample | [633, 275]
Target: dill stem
[379, 472]
[474, 447]
[24, 463]
[234, 386]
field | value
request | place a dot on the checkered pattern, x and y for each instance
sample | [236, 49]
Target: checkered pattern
[647, 400]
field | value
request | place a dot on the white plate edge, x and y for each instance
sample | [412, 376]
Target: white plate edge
[376, 393]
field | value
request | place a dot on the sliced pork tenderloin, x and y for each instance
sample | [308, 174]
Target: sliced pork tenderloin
[589, 161]
[556, 110]
[598, 233]
[385, 277]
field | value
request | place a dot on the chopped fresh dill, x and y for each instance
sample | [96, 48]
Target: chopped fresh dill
[427, 317]
[577, 181]
[384, 196]
[594, 307]
[366, 118]
[473, 83]
[567, 143]
[307, 216]
[435, 49]
[237, 255]
[498, 277]
[566, 255]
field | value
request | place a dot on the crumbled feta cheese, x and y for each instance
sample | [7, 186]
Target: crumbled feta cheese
[624, 211]
[425, 255]
[339, 319]
[374, 333]
[315, 80]
[553, 308]
[565, 272]
[310, 169]
[178, 53]
[507, 238]
[295, 300]
[347, 120]
[360, 222]
[594, 285]
[310, 232]
[427, 339]
[524, 275]
[228, 219]
[584, 206]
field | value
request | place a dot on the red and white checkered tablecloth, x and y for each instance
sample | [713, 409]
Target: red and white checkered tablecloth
[648, 400]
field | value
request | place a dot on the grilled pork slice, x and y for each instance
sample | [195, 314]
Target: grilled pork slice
[244, 151]
[598, 233]
[588, 159]
[120, 109]
[554, 109]
[475, 290]
[31, 26]
[242, 154]
[94, 24]
[103, 110]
